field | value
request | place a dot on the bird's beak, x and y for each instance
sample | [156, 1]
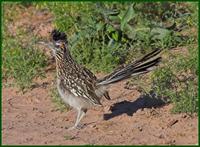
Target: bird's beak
[48, 44]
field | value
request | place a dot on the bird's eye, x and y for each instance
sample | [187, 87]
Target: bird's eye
[57, 44]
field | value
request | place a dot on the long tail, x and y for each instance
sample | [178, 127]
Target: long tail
[141, 66]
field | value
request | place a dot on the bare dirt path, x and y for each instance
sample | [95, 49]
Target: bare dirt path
[32, 118]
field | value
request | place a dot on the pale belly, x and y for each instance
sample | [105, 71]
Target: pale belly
[74, 101]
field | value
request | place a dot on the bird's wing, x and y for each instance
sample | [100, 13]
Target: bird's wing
[85, 85]
[91, 76]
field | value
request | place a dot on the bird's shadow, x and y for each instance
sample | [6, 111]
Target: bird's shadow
[128, 107]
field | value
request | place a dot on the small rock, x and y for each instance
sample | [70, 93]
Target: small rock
[34, 108]
[93, 126]
[145, 109]
[29, 139]
[184, 116]
[171, 142]
[161, 136]
[65, 119]
[153, 112]
[140, 129]
[139, 111]
[171, 123]
[54, 110]
[190, 125]
[10, 127]
[73, 137]
[110, 132]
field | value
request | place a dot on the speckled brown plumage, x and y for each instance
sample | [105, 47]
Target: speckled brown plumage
[79, 87]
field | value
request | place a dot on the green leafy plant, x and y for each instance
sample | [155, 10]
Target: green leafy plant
[102, 35]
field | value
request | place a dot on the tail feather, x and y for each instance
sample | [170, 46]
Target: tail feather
[141, 66]
[134, 68]
[149, 56]
[142, 60]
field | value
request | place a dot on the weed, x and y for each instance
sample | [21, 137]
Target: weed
[22, 61]
[23, 65]
[68, 137]
[177, 80]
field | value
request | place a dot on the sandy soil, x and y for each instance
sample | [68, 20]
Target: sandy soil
[128, 119]
[32, 118]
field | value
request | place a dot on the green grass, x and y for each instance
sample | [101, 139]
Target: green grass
[177, 80]
[22, 60]
[22, 64]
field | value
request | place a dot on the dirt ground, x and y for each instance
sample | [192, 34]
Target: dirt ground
[128, 119]
[32, 118]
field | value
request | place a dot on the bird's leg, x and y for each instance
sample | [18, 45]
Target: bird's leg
[81, 113]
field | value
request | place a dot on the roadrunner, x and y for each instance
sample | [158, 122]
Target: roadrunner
[79, 87]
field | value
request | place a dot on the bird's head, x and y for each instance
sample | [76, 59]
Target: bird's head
[58, 43]
[59, 40]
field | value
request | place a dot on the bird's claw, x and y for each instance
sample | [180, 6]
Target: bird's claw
[78, 127]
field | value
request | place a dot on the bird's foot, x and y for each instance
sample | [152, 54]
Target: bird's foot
[71, 128]
[78, 127]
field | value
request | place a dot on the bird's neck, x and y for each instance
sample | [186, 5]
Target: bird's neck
[64, 63]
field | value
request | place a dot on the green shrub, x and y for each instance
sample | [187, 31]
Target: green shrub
[102, 35]
[177, 80]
